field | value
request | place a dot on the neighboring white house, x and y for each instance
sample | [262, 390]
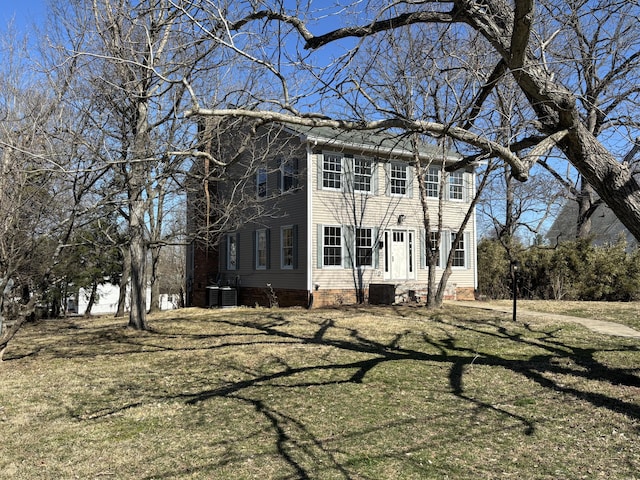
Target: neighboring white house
[107, 300]
[350, 219]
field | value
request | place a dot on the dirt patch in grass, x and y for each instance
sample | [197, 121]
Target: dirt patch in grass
[626, 313]
[353, 393]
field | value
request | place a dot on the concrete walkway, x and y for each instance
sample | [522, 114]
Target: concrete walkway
[599, 326]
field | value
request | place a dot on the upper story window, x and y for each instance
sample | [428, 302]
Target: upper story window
[261, 183]
[456, 185]
[432, 182]
[398, 179]
[288, 174]
[332, 171]
[362, 174]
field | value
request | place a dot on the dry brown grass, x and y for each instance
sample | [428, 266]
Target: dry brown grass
[357, 393]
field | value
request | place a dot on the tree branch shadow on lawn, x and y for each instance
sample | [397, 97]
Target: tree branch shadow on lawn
[458, 358]
[533, 369]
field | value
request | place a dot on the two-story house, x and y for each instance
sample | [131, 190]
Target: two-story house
[347, 215]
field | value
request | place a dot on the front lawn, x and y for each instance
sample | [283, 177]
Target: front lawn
[352, 393]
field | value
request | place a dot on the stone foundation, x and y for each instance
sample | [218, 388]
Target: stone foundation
[465, 293]
[334, 298]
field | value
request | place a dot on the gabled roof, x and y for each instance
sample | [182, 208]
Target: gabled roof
[605, 226]
[368, 141]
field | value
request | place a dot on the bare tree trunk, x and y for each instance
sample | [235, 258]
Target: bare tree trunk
[442, 285]
[509, 221]
[430, 257]
[6, 337]
[613, 182]
[470, 212]
[92, 298]
[124, 282]
[138, 253]
[431, 286]
[556, 109]
[586, 208]
[181, 298]
[154, 281]
[137, 211]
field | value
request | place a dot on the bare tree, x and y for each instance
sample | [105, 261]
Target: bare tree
[413, 79]
[514, 212]
[593, 48]
[133, 62]
[518, 43]
[45, 184]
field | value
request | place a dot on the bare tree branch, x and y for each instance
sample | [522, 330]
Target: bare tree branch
[519, 168]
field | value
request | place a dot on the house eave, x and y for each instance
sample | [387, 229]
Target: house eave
[381, 150]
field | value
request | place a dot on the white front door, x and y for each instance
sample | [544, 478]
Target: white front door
[399, 261]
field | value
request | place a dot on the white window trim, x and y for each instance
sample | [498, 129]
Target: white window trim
[437, 183]
[374, 244]
[465, 250]
[342, 248]
[322, 171]
[408, 179]
[372, 163]
[450, 185]
[284, 163]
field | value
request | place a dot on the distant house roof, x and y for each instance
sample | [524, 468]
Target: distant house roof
[372, 141]
[605, 226]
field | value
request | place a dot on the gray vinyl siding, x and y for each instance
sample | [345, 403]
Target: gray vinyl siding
[286, 209]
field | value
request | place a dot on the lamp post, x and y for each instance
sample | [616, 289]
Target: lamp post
[515, 267]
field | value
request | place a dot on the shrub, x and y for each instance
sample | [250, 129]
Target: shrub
[493, 270]
[574, 270]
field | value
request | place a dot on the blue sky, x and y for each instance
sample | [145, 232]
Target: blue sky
[23, 12]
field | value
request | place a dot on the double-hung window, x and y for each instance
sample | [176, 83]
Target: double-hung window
[232, 251]
[332, 171]
[435, 247]
[456, 185]
[364, 247]
[262, 249]
[287, 242]
[288, 174]
[398, 179]
[261, 183]
[457, 244]
[432, 182]
[332, 246]
[362, 174]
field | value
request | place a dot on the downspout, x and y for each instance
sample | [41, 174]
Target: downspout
[475, 236]
[309, 216]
